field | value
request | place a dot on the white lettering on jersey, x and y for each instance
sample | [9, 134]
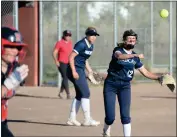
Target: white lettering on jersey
[129, 61]
[130, 73]
[88, 52]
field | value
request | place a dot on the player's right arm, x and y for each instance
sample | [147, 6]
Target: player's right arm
[79, 47]
[72, 64]
[121, 56]
[55, 54]
[4, 90]
[12, 82]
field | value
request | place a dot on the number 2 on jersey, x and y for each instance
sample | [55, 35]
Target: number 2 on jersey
[130, 73]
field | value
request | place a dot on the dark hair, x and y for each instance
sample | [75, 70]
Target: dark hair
[129, 33]
[125, 35]
[66, 33]
[121, 45]
[63, 37]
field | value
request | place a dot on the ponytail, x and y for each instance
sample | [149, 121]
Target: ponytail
[120, 45]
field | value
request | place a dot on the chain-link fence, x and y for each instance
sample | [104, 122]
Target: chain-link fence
[9, 13]
[155, 36]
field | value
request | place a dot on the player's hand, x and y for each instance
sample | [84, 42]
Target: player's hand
[75, 75]
[16, 77]
[57, 63]
[141, 56]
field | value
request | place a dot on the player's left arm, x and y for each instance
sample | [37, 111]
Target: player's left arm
[148, 74]
[88, 67]
[91, 73]
[139, 66]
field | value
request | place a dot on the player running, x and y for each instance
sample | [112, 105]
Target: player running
[12, 74]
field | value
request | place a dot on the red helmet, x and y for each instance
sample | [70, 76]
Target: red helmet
[12, 37]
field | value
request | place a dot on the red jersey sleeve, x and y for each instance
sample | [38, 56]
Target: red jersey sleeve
[57, 45]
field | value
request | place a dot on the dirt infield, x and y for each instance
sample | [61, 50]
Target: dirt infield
[37, 111]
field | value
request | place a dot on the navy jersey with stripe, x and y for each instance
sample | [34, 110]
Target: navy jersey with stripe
[84, 51]
[123, 69]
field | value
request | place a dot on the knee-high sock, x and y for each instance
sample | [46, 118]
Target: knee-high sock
[127, 130]
[74, 108]
[85, 103]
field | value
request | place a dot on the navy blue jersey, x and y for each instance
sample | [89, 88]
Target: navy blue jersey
[123, 69]
[84, 51]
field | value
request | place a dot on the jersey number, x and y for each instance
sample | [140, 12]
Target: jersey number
[130, 73]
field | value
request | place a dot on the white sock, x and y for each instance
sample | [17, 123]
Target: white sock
[85, 103]
[107, 129]
[127, 130]
[74, 108]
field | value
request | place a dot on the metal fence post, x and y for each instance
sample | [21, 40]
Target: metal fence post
[171, 39]
[41, 41]
[15, 14]
[115, 22]
[15, 17]
[152, 33]
[78, 20]
[59, 14]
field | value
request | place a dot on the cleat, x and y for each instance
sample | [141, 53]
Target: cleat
[106, 133]
[91, 122]
[73, 122]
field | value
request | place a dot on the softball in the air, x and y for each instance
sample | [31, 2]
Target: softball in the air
[164, 13]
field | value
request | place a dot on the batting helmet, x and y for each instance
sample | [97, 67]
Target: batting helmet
[129, 33]
[12, 38]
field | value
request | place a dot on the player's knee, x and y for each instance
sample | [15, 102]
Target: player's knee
[65, 82]
[125, 120]
[109, 121]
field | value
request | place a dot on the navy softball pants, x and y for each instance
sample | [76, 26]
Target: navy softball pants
[80, 85]
[122, 90]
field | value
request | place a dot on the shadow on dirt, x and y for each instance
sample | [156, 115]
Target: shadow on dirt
[34, 122]
[158, 97]
[41, 97]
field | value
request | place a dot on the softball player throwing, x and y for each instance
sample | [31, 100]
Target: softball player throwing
[76, 74]
[12, 74]
[117, 83]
